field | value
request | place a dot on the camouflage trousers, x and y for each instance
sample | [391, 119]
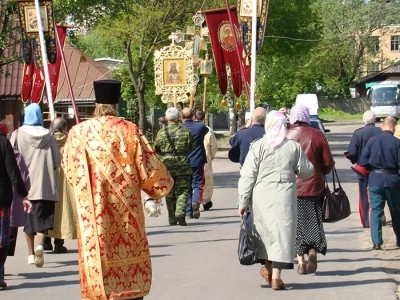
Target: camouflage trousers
[177, 198]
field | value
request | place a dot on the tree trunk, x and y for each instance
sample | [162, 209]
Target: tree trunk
[241, 118]
[142, 107]
[232, 114]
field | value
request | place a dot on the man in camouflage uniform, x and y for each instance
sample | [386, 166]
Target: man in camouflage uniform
[174, 143]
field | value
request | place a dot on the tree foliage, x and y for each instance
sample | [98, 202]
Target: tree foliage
[347, 29]
[138, 27]
[9, 33]
[309, 45]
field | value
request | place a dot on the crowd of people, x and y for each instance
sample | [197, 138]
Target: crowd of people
[90, 181]
[87, 185]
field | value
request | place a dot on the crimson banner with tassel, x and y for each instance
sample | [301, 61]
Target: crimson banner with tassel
[224, 49]
[33, 81]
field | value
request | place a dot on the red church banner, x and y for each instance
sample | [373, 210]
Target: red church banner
[33, 81]
[224, 49]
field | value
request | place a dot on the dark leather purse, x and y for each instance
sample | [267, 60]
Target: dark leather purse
[336, 205]
[247, 250]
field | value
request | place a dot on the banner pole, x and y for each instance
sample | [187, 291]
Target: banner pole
[44, 61]
[71, 92]
[253, 55]
[246, 88]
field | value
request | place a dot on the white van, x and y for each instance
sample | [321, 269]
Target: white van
[311, 101]
[385, 98]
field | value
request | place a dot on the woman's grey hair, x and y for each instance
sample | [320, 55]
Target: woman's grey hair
[369, 117]
[58, 125]
[172, 114]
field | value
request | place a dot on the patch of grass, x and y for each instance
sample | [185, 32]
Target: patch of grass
[222, 138]
[328, 114]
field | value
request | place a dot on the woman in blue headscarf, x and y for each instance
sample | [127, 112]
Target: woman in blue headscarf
[41, 153]
[33, 115]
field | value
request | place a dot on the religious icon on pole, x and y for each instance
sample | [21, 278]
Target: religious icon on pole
[174, 72]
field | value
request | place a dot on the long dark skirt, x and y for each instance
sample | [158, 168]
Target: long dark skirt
[41, 217]
[4, 227]
[310, 228]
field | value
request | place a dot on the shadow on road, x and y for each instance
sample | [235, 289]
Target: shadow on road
[226, 180]
[349, 272]
[174, 231]
[349, 250]
[332, 284]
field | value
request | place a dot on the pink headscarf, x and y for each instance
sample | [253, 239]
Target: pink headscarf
[299, 113]
[275, 128]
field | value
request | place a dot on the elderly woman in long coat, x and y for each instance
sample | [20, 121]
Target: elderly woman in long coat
[267, 187]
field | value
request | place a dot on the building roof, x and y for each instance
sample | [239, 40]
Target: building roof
[83, 70]
[389, 70]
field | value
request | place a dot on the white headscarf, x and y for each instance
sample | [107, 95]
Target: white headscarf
[275, 128]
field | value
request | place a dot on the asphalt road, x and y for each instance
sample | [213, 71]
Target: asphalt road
[200, 261]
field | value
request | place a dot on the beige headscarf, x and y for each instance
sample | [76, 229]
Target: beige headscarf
[275, 128]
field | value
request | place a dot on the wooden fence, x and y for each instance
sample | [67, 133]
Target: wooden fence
[352, 105]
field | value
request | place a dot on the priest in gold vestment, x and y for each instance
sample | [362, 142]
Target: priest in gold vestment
[108, 162]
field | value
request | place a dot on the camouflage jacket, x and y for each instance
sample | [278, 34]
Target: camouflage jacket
[173, 144]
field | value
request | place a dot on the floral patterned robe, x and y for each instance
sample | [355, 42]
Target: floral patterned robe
[108, 161]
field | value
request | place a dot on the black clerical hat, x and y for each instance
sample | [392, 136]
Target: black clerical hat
[107, 91]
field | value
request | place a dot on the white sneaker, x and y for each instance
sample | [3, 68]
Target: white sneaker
[31, 259]
[39, 259]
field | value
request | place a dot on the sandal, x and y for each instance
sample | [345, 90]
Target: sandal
[312, 261]
[277, 284]
[3, 285]
[266, 275]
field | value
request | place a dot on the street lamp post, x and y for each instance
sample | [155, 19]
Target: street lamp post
[205, 71]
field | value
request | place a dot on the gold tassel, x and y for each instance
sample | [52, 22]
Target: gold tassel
[82, 58]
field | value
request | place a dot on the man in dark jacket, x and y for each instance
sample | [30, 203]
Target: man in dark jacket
[244, 137]
[357, 144]
[10, 177]
[381, 156]
[197, 159]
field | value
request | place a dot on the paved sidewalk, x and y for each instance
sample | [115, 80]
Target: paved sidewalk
[199, 262]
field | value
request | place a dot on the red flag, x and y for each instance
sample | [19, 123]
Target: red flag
[54, 69]
[33, 80]
[26, 82]
[38, 85]
[224, 49]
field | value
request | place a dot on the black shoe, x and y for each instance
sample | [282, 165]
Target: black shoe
[181, 220]
[383, 220]
[196, 211]
[47, 247]
[376, 247]
[208, 205]
[60, 249]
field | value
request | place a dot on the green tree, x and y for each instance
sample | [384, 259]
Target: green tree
[9, 33]
[139, 27]
[346, 44]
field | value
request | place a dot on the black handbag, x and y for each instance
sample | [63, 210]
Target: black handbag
[336, 205]
[247, 250]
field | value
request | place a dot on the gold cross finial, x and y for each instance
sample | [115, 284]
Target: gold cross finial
[172, 38]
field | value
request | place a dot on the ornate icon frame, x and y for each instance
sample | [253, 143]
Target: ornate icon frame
[176, 92]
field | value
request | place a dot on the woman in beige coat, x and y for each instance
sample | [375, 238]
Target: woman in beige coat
[267, 186]
[65, 209]
[211, 146]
